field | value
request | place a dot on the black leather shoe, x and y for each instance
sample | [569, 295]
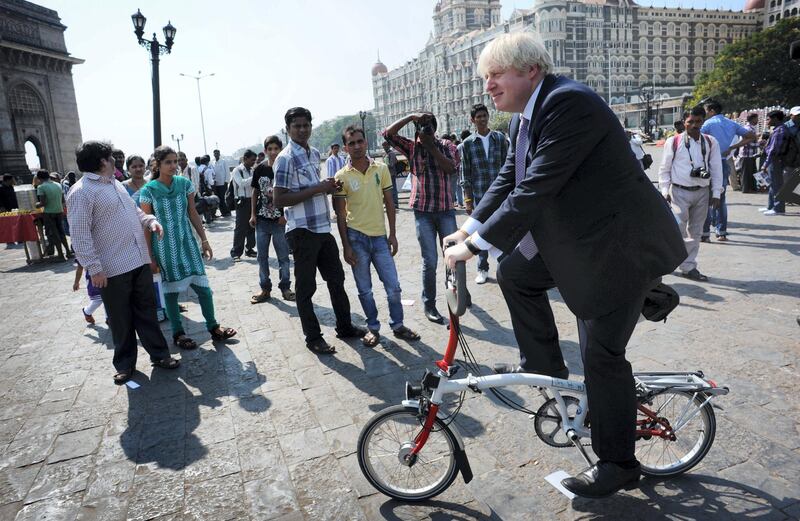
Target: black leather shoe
[433, 315]
[603, 479]
[351, 332]
[511, 368]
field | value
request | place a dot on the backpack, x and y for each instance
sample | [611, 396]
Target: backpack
[790, 149]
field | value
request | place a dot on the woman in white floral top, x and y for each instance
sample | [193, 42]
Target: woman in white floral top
[270, 225]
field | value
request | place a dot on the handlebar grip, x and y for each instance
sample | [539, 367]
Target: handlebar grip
[457, 297]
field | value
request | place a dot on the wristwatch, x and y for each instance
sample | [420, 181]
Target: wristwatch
[471, 247]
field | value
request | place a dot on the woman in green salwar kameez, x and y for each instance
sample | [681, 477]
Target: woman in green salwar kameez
[171, 199]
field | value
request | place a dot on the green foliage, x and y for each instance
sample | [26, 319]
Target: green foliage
[500, 121]
[755, 71]
[327, 132]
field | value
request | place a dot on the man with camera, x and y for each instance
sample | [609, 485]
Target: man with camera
[691, 164]
[432, 165]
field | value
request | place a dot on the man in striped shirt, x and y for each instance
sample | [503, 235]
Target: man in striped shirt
[432, 166]
[335, 162]
[109, 242]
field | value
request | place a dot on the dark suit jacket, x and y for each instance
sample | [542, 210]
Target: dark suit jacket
[603, 230]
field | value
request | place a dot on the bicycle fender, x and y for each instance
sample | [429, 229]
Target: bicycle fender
[460, 454]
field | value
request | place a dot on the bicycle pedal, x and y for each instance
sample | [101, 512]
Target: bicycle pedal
[504, 368]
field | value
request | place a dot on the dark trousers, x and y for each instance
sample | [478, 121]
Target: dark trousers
[608, 375]
[54, 230]
[243, 230]
[219, 191]
[748, 169]
[312, 252]
[130, 303]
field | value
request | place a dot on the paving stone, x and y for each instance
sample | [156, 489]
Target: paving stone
[260, 456]
[75, 444]
[211, 461]
[215, 499]
[53, 509]
[156, 493]
[110, 480]
[61, 479]
[343, 441]
[303, 445]
[110, 508]
[323, 491]
[15, 482]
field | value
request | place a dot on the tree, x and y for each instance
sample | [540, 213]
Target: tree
[755, 71]
[500, 121]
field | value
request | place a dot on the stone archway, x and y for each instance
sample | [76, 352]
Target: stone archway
[37, 96]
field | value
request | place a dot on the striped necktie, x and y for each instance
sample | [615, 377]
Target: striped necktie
[527, 246]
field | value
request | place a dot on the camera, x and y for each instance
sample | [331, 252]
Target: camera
[700, 172]
[426, 125]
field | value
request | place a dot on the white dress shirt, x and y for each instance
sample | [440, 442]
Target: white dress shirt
[471, 225]
[242, 178]
[676, 166]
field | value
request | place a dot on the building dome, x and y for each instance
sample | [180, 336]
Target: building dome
[754, 5]
[380, 68]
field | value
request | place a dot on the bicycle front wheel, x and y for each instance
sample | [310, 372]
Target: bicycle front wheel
[385, 442]
[693, 424]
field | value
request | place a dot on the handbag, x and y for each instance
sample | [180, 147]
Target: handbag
[647, 161]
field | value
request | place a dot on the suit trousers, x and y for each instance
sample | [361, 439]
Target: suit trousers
[690, 209]
[243, 232]
[607, 374]
[130, 303]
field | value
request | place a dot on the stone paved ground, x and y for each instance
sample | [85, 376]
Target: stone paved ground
[262, 429]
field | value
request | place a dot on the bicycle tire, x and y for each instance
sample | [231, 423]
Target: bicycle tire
[704, 425]
[440, 433]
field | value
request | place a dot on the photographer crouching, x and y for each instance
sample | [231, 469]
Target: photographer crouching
[691, 168]
[432, 164]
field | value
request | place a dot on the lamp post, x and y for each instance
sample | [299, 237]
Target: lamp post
[197, 78]
[647, 94]
[156, 50]
[178, 139]
[363, 115]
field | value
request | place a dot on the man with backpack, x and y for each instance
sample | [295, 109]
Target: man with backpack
[781, 152]
[691, 164]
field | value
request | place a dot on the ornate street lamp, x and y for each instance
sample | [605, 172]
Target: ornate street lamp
[647, 94]
[156, 50]
[363, 115]
[178, 139]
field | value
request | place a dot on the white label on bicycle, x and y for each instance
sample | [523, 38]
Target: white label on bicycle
[555, 480]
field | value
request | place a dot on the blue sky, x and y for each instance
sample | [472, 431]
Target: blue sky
[267, 56]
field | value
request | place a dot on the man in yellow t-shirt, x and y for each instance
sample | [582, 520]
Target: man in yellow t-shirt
[363, 188]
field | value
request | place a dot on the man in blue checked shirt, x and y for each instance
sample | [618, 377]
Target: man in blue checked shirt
[483, 154]
[304, 196]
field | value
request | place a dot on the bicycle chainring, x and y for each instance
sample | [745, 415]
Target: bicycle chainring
[548, 422]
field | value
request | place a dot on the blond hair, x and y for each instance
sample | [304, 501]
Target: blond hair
[519, 50]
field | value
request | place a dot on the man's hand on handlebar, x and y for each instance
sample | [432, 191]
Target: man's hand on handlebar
[457, 237]
[455, 253]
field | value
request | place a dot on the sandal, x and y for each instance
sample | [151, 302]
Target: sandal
[121, 378]
[184, 342]
[321, 347]
[404, 333]
[220, 333]
[261, 297]
[166, 363]
[371, 339]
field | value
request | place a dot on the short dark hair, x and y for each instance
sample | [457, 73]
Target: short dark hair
[777, 114]
[465, 134]
[43, 175]
[248, 153]
[215, 151]
[273, 140]
[697, 110]
[714, 105]
[296, 112]
[181, 154]
[133, 158]
[198, 160]
[752, 115]
[351, 129]
[477, 108]
[8, 177]
[89, 153]
[335, 145]
[206, 159]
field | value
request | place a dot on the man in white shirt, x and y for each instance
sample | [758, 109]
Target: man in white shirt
[221, 178]
[241, 180]
[691, 164]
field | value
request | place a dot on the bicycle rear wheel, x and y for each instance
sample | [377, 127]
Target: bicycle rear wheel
[692, 426]
[388, 438]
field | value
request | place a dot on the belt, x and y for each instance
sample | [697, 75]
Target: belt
[690, 188]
